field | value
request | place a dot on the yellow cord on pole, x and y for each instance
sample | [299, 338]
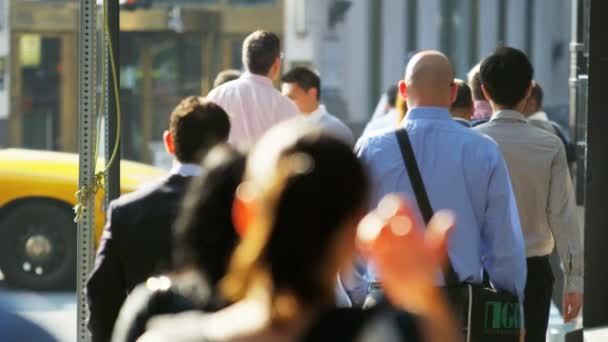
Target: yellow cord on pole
[84, 194]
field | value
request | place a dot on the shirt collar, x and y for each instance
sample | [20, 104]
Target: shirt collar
[186, 169]
[428, 113]
[463, 121]
[509, 115]
[540, 115]
[257, 78]
[318, 113]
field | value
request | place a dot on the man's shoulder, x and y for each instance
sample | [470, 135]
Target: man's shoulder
[474, 135]
[544, 136]
[334, 121]
[532, 133]
[377, 140]
[163, 188]
[224, 90]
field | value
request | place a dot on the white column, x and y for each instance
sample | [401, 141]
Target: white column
[393, 42]
[488, 27]
[516, 24]
[551, 57]
[5, 42]
[355, 78]
[429, 16]
[298, 34]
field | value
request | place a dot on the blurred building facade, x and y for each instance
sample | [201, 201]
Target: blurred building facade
[360, 47]
[168, 49]
[174, 48]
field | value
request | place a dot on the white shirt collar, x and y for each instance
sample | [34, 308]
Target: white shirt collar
[318, 113]
[540, 115]
[186, 169]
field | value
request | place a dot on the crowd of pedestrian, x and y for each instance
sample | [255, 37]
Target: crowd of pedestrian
[276, 225]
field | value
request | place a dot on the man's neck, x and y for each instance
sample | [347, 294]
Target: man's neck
[312, 109]
[459, 114]
[422, 103]
[499, 108]
[268, 76]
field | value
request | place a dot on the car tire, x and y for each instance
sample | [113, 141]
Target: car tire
[38, 246]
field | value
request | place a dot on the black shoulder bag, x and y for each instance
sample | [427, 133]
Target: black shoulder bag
[485, 314]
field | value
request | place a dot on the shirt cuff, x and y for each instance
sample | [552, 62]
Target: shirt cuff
[574, 284]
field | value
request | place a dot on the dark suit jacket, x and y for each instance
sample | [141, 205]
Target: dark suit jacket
[136, 244]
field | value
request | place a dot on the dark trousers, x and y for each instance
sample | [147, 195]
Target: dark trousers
[539, 286]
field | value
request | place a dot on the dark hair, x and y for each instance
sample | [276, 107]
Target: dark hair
[304, 78]
[506, 75]
[309, 185]
[391, 95]
[537, 94]
[204, 236]
[226, 76]
[260, 51]
[463, 97]
[197, 125]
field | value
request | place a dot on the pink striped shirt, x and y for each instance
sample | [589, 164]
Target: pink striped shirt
[253, 105]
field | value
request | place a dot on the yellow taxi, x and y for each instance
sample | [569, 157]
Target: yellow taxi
[37, 230]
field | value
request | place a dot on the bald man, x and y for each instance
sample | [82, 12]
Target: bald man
[462, 170]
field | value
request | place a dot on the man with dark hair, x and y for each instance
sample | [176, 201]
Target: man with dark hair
[536, 116]
[462, 108]
[251, 101]
[543, 188]
[462, 170]
[226, 76]
[136, 242]
[482, 110]
[303, 86]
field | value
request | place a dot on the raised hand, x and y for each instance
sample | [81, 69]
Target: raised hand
[407, 256]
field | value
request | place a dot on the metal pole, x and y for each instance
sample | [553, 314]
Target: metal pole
[112, 177]
[595, 309]
[87, 72]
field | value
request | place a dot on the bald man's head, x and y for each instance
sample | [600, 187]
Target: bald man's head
[429, 80]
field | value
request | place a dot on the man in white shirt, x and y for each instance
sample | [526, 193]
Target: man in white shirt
[303, 86]
[252, 102]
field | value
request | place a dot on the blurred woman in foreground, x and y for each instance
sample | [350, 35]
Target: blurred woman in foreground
[299, 207]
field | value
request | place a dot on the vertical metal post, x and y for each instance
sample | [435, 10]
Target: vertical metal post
[595, 308]
[87, 73]
[112, 177]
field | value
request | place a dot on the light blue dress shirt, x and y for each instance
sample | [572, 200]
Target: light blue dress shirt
[463, 171]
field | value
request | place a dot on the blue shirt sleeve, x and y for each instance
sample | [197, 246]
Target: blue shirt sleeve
[503, 246]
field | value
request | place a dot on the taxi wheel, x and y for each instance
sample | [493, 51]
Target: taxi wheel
[38, 246]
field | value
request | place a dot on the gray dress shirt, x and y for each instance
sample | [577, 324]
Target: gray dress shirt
[537, 165]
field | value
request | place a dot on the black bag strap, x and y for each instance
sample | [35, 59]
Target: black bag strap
[451, 278]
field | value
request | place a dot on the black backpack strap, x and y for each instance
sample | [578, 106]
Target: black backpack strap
[422, 198]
